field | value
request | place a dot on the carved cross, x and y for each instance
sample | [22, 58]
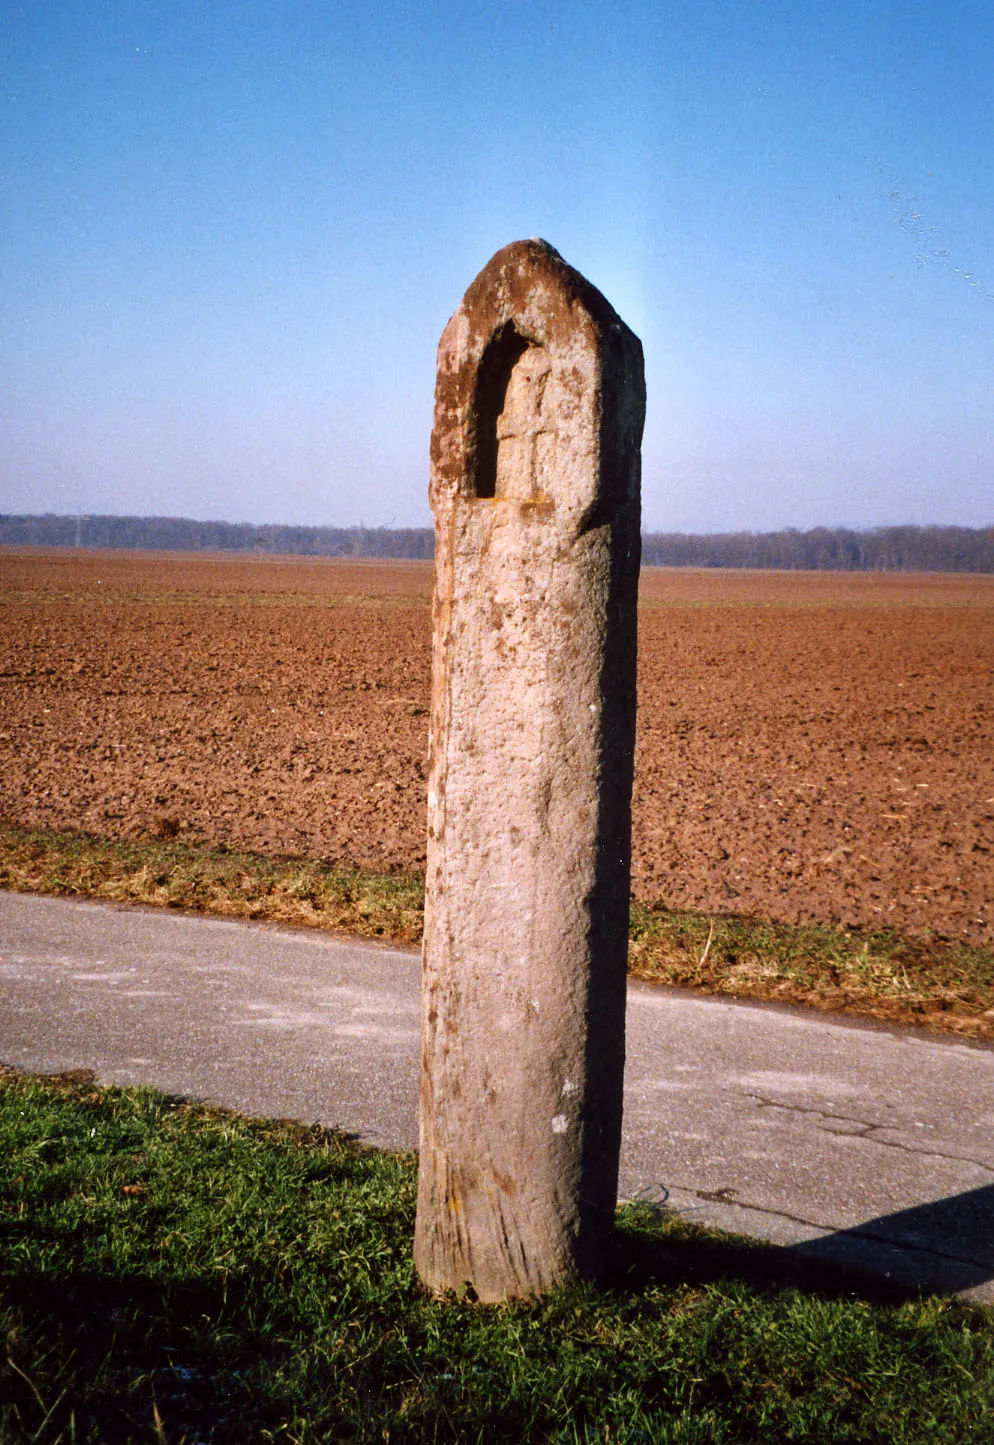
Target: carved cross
[526, 440]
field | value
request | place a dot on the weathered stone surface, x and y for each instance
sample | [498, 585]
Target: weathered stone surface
[539, 409]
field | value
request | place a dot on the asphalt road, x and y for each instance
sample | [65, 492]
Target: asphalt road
[866, 1145]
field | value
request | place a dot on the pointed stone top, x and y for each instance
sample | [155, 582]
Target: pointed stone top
[539, 396]
[525, 273]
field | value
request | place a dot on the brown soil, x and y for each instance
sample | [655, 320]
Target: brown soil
[811, 745]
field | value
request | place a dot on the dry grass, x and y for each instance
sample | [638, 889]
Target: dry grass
[231, 885]
[938, 983]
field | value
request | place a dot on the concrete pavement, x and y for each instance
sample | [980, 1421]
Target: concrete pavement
[866, 1145]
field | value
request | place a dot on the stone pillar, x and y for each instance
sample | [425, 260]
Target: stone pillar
[535, 464]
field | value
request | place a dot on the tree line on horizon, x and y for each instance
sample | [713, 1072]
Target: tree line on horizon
[835, 549]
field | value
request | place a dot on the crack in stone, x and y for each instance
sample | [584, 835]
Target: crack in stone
[724, 1195]
[868, 1130]
[721, 1196]
[865, 1125]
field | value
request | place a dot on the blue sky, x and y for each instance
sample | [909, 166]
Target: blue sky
[231, 235]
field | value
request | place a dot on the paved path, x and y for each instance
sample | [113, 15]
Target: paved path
[870, 1145]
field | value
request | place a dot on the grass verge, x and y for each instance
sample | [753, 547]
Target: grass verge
[938, 983]
[172, 874]
[172, 1273]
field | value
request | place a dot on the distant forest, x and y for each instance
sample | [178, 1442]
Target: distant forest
[835, 549]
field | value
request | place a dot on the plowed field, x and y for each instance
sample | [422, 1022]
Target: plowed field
[811, 745]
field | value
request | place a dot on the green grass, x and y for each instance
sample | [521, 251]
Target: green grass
[940, 983]
[171, 1273]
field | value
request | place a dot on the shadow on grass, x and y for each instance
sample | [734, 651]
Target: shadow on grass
[128, 1358]
[123, 1359]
